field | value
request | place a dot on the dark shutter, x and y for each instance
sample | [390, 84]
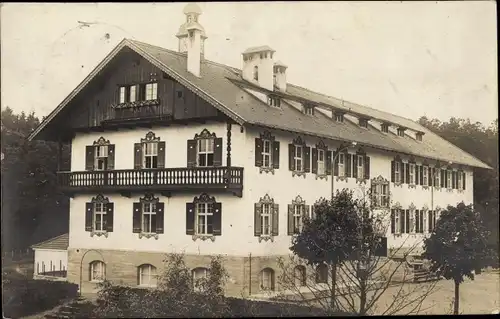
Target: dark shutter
[307, 159]
[347, 165]
[191, 153]
[443, 178]
[291, 160]
[160, 218]
[217, 221]
[367, 167]
[355, 166]
[290, 219]
[136, 218]
[89, 158]
[417, 174]
[407, 216]
[453, 179]
[161, 154]
[89, 214]
[463, 180]
[421, 175]
[328, 162]
[275, 219]
[137, 155]
[430, 176]
[417, 221]
[336, 164]
[393, 165]
[190, 212]
[111, 157]
[218, 145]
[276, 154]
[393, 221]
[429, 221]
[258, 152]
[257, 230]
[407, 173]
[110, 208]
[401, 220]
[314, 167]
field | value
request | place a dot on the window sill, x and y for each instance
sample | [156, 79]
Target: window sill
[398, 184]
[127, 105]
[99, 233]
[299, 173]
[461, 191]
[437, 188]
[361, 180]
[204, 237]
[266, 170]
[322, 176]
[266, 238]
[148, 235]
[341, 178]
[425, 187]
[412, 186]
[449, 190]
[96, 281]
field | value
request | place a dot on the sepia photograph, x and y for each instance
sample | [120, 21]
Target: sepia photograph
[249, 159]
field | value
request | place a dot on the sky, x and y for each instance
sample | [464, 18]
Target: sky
[437, 59]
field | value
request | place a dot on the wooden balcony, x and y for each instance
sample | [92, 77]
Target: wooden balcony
[166, 180]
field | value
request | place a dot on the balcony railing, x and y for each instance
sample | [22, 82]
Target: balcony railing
[165, 179]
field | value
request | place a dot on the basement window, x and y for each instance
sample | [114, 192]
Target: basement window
[339, 117]
[273, 101]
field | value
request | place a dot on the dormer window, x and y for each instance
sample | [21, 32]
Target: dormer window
[309, 110]
[273, 101]
[339, 117]
[401, 132]
[363, 123]
[419, 137]
[256, 73]
[385, 128]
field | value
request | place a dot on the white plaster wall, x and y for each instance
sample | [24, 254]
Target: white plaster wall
[59, 258]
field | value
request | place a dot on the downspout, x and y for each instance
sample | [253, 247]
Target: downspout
[250, 274]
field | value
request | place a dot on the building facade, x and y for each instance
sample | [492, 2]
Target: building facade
[172, 153]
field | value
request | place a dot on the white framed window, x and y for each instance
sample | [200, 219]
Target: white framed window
[298, 158]
[204, 218]
[132, 96]
[412, 174]
[448, 179]
[101, 157]
[298, 212]
[99, 217]
[380, 195]
[200, 274]
[266, 154]
[151, 91]
[397, 172]
[206, 152]
[361, 166]
[404, 221]
[437, 177]
[425, 177]
[397, 223]
[266, 219]
[150, 157]
[147, 275]
[321, 162]
[401, 132]
[97, 271]
[267, 279]
[148, 218]
[341, 164]
[339, 117]
[123, 92]
[308, 110]
[385, 128]
[460, 181]
[419, 221]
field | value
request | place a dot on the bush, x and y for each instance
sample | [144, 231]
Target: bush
[23, 297]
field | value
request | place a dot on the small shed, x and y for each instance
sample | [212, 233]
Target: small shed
[51, 258]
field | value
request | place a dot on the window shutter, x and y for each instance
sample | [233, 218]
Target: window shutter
[393, 169]
[402, 221]
[275, 219]
[110, 208]
[463, 181]
[160, 218]
[393, 221]
[424, 222]
[407, 173]
[355, 166]
[347, 164]
[417, 222]
[307, 211]
[408, 221]
[190, 214]
[89, 216]
[307, 159]
[417, 174]
[136, 218]
[314, 167]
[429, 221]
[328, 163]
[258, 152]
[218, 145]
[257, 220]
[161, 154]
[290, 219]
[275, 155]
[430, 173]
[137, 155]
[111, 157]
[367, 167]
[291, 153]
[191, 153]
[443, 178]
[336, 164]
[421, 175]
[89, 158]
[217, 221]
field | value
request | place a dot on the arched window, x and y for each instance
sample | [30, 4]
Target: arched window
[147, 275]
[200, 274]
[97, 271]
[322, 274]
[256, 73]
[300, 276]
[267, 279]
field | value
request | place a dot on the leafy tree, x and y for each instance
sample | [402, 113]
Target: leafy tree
[457, 246]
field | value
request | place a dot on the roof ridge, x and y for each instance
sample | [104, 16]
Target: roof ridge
[48, 240]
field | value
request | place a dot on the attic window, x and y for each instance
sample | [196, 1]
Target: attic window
[339, 117]
[419, 137]
[308, 110]
[385, 128]
[273, 101]
[363, 123]
[401, 132]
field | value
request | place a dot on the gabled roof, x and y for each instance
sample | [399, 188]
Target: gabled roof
[222, 86]
[258, 49]
[57, 243]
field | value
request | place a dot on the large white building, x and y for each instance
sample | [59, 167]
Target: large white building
[171, 152]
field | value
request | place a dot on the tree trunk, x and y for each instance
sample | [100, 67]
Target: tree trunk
[457, 298]
[333, 270]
